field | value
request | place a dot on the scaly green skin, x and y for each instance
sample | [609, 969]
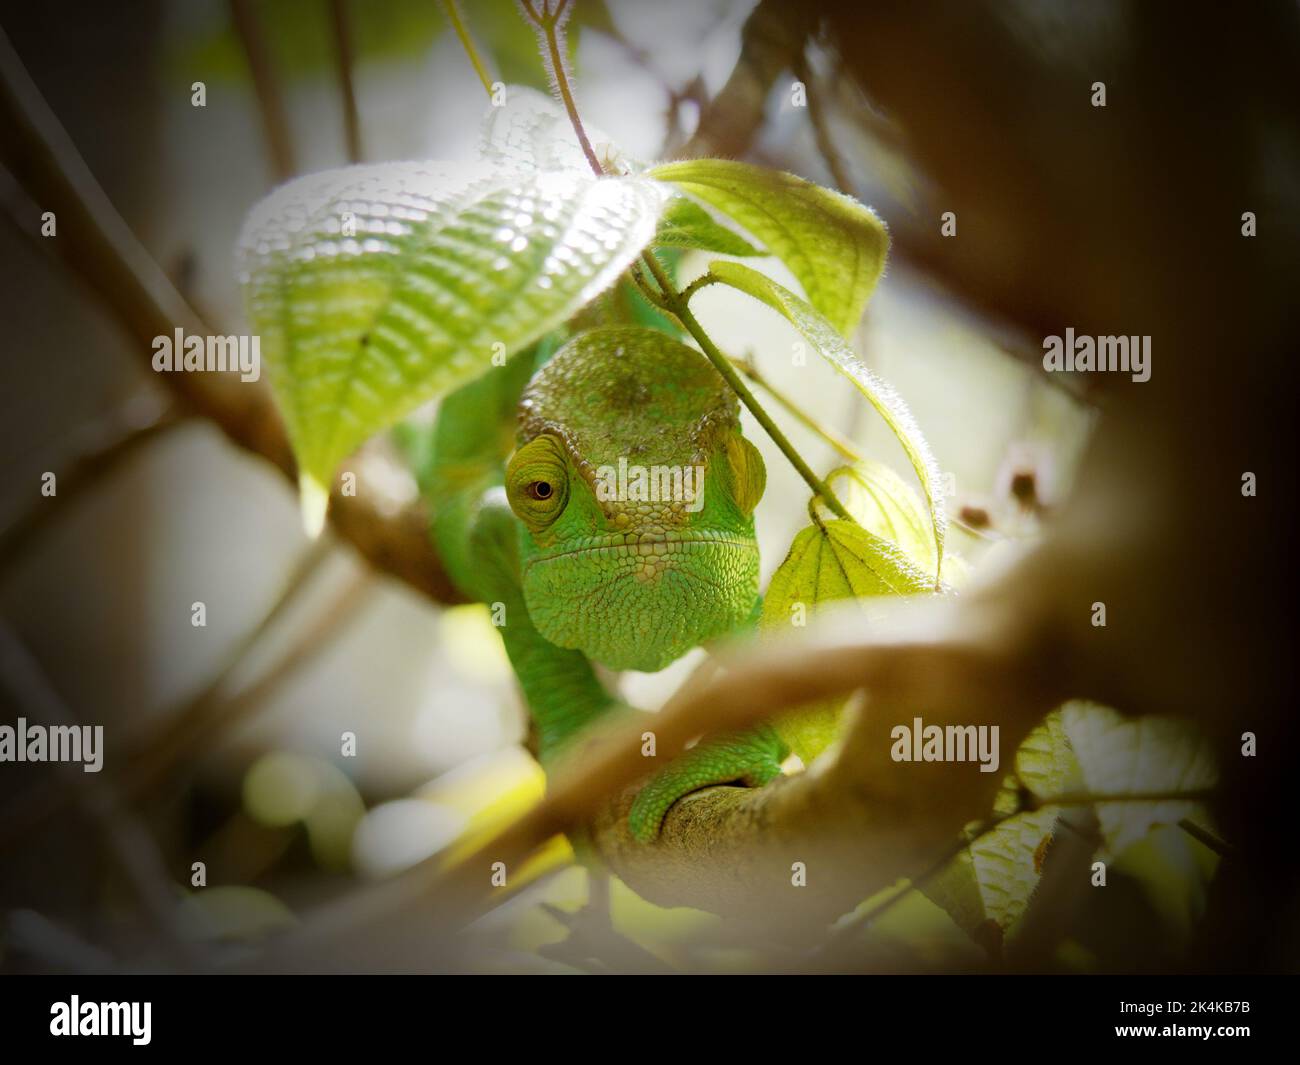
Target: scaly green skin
[629, 583]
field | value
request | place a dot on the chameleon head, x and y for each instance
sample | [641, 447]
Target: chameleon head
[635, 493]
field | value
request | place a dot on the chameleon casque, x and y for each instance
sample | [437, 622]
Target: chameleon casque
[630, 583]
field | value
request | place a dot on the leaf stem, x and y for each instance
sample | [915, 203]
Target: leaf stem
[845, 449]
[676, 303]
[452, 10]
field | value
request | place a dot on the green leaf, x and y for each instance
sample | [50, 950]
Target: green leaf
[1144, 755]
[1046, 764]
[685, 224]
[987, 887]
[830, 561]
[831, 346]
[834, 245]
[882, 502]
[451, 263]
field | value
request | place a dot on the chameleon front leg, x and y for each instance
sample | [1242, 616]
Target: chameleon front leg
[751, 758]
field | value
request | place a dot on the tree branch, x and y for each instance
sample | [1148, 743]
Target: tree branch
[98, 247]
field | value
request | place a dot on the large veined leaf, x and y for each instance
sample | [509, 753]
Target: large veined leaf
[1133, 756]
[834, 245]
[831, 346]
[377, 288]
[987, 887]
[829, 561]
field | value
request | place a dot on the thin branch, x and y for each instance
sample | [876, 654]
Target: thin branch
[676, 304]
[106, 447]
[821, 126]
[154, 743]
[131, 846]
[1205, 836]
[550, 29]
[845, 449]
[772, 36]
[209, 720]
[268, 94]
[151, 754]
[347, 90]
[98, 246]
[452, 10]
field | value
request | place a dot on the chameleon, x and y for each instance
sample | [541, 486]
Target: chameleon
[584, 575]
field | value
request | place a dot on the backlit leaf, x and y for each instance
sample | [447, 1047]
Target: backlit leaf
[834, 245]
[831, 346]
[448, 264]
[830, 561]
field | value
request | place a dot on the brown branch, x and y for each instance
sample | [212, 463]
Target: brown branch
[154, 752]
[730, 849]
[132, 848]
[99, 247]
[269, 102]
[347, 91]
[821, 126]
[772, 39]
[104, 448]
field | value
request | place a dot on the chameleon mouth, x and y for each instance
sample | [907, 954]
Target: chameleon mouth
[646, 544]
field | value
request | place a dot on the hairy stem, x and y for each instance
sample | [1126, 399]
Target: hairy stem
[550, 27]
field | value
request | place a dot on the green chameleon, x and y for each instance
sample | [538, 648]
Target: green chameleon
[583, 578]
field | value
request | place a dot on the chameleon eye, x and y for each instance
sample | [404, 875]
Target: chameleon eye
[537, 482]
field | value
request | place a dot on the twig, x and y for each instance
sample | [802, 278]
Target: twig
[821, 126]
[550, 29]
[214, 717]
[131, 846]
[150, 756]
[452, 10]
[268, 95]
[845, 449]
[108, 445]
[772, 36]
[153, 743]
[99, 247]
[1205, 836]
[676, 304]
[347, 90]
